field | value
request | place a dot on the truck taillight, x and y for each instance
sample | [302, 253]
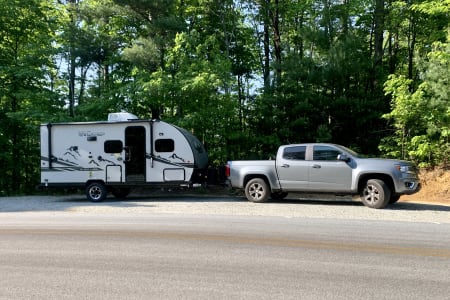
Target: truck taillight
[227, 170]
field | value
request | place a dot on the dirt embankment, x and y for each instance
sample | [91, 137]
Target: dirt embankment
[435, 187]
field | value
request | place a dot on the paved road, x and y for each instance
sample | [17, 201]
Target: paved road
[68, 254]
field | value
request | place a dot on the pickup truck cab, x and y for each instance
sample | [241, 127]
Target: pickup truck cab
[324, 168]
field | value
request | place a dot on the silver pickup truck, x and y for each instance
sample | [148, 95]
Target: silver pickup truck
[324, 168]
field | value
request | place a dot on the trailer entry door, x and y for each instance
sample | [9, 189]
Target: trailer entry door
[135, 160]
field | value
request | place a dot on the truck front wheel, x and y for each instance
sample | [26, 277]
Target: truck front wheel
[375, 194]
[257, 190]
[96, 192]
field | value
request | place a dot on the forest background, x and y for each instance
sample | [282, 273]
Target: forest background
[244, 76]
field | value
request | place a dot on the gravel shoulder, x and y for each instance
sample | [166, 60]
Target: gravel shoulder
[212, 204]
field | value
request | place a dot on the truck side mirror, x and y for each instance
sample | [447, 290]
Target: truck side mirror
[343, 157]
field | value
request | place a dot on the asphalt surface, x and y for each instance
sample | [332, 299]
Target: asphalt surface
[176, 247]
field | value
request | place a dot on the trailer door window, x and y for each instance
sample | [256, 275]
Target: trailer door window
[164, 145]
[113, 146]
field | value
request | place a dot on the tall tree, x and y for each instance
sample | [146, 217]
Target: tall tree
[420, 107]
[27, 31]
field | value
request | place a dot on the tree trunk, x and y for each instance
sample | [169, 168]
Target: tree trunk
[411, 47]
[72, 11]
[378, 29]
[275, 16]
[266, 44]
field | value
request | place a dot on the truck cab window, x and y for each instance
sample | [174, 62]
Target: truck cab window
[325, 153]
[294, 153]
[113, 146]
[164, 145]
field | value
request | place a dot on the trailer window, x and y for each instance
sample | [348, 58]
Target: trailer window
[113, 146]
[164, 145]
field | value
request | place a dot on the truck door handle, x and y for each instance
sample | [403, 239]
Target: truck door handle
[285, 166]
[317, 166]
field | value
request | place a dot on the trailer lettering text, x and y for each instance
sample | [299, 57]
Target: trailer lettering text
[90, 133]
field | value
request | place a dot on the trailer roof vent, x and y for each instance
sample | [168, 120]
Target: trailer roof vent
[121, 116]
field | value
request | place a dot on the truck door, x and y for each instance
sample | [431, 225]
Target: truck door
[327, 173]
[135, 160]
[293, 169]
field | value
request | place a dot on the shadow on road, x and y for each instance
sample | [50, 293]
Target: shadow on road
[338, 202]
[348, 202]
[78, 202]
[418, 206]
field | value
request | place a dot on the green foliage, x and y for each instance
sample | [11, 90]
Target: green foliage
[27, 31]
[421, 118]
[244, 76]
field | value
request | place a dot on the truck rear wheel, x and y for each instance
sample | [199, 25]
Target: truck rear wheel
[96, 192]
[375, 194]
[257, 190]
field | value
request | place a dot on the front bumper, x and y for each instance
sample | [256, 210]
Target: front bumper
[410, 186]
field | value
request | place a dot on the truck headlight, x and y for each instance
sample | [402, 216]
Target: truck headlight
[404, 168]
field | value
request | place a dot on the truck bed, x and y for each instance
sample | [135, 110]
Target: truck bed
[238, 169]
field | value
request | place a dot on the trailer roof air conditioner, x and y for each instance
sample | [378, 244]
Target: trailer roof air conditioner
[121, 116]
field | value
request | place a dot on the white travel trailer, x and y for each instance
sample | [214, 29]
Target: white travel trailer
[119, 154]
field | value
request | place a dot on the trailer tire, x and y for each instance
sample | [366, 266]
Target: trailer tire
[257, 190]
[96, 192]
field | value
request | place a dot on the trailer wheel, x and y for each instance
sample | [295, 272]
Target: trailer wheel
[375, 194]
[96, 192]
[257, 190]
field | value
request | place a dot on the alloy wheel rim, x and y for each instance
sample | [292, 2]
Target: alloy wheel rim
[372, 194]
[256, 191]
[95, 193]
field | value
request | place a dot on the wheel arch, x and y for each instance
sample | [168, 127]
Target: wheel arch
[387, 179]
[90, 181]
[249, 177]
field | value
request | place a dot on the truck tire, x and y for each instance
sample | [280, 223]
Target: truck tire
[375, 194]
[257, 190]
[96, 192]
